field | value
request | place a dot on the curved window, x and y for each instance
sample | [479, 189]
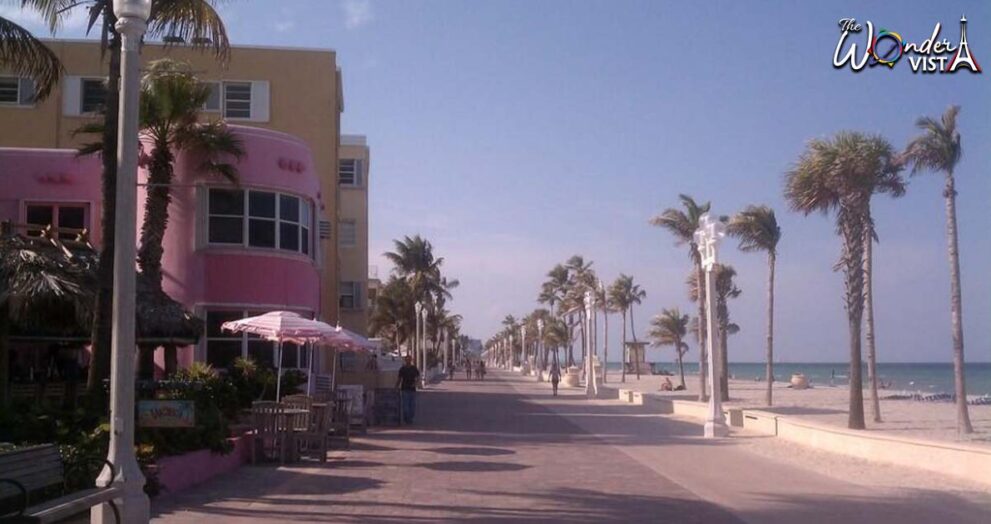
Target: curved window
[259, 219]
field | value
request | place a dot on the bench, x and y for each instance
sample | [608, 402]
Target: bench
[38, 470]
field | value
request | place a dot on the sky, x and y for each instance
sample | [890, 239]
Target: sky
[514, 134]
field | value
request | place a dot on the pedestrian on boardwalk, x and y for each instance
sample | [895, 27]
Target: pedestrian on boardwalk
[468, 369]
[406, 383]
[555, 376]
[481, 370]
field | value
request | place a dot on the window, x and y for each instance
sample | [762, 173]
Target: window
[223, 347]
[212, 103]
[350, 295]
[237, 99]
[273, 220]
[16, 91]
[349, 172]
[347, 233]
[94, 95]
[226, 216]
[68, 219]
[10, 88]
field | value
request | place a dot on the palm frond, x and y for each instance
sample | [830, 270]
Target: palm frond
[24, 55]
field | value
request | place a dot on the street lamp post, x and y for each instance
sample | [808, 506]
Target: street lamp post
[132, 21]
[590, 386]
[541, 350]
[417, 307]
[524, 357]
[423, 353]
[707, 238]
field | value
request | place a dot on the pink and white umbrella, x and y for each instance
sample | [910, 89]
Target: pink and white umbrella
[282, 326]
[346, 340]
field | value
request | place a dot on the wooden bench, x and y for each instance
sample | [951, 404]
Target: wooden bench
[30, 471]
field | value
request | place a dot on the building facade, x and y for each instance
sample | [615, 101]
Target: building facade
[353, 179]
[271, 242]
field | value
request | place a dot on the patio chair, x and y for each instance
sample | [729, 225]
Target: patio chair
[303, 421]
[340, 425]
[269, 434]
[316, 439]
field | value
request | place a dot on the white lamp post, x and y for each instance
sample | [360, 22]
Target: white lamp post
[417, 307]
[539, 360]
[132, 21]
[590, 386]
[423, 351]
[524, 357]
[707, 237]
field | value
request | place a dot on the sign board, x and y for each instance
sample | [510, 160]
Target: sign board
[166, 413]
[356, 392]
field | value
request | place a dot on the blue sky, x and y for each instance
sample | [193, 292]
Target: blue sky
[514, 134]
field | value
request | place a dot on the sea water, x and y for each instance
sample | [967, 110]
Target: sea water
[925, 377]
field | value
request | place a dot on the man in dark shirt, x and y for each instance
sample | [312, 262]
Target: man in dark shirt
[406, 382]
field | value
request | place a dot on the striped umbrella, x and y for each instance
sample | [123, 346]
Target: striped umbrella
[282, 326]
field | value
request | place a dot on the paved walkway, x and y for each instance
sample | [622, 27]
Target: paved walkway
[505, 450]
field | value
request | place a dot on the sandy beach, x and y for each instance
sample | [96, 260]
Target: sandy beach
[826, 404]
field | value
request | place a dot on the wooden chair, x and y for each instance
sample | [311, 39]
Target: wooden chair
[340, 425]
[316, 439]
[268, 420]
[303, 421]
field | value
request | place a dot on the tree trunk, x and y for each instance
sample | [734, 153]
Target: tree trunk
[956, 307]
[633, 331]
[156, 218]
[703, 363]
[869, 321]
[99, 368]
[571, 342]
[172, 360]
[769, 372]
[851, 225]
[624, 352]
[724, 355]
[4, 356]
[681, 363]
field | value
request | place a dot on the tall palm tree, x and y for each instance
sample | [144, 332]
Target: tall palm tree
[392, 316]
[683, 224]
[414, 260]
[603, 303]
[619, 297]
[194, 21]
[669, 329]
[24, 55]
[841, 174]
[938, 149]
[625, 294]
[725, 290]
[757, 229]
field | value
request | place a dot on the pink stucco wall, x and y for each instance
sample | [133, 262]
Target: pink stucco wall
[180, 472]
[196, 274]
[49, 175]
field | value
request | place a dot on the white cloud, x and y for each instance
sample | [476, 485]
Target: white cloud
[357, 13]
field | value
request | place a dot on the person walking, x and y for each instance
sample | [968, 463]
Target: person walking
[555, 375]
[406, 383]
[468, 369]
[481, 370]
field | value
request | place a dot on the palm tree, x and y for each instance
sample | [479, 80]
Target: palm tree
[938, 149]
[392, 316]
[602, 299]
[669, 329]
[193, 21]
[625, 294]
[757, 228]
[24, 55]
[414, 261]
[840, 174]
[683, 224]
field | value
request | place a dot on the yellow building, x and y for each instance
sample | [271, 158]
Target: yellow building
[293, 90]
[352, 235]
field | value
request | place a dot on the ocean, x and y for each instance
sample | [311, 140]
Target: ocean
[925, 377]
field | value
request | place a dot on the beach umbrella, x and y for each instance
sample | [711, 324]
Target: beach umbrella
[343, 340]
[282, 326]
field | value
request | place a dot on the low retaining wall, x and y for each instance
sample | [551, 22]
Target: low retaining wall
[969, 462]
[179, 472]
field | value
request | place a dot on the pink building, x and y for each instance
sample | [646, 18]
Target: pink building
[230, 249]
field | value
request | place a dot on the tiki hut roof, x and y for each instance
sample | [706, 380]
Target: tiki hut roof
[50, 286]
